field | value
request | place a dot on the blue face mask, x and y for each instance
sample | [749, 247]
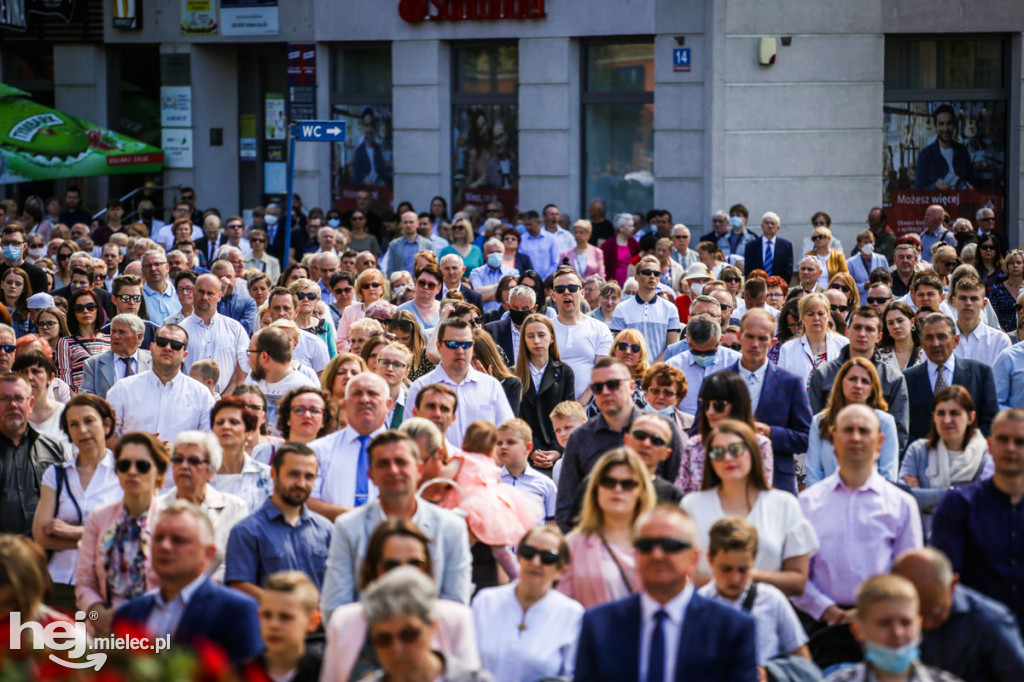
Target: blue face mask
[494, 259]
[893, 661]
[334, 222]
[668, 412]
[124, 250]
[12, 252]
[705, 360]
[736, 222]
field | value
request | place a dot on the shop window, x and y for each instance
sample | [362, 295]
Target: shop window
[361, 96]
[485, 126]
[945, 128]
[618, 125]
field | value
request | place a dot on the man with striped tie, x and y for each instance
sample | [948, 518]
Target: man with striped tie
[770, 253]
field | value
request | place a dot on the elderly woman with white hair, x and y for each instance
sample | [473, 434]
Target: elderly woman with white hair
[195, 459]
[619, 251]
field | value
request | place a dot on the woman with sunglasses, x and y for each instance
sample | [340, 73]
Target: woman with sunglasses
[630, 346]
[832, 260]
[84, 339]
[462, 244]
[487, 359]
[510, 239]
[303, 415]
[990, 263]
[64, 251]
[370, 288]
[348, 654]
[722, 396]
[114, 553]
[256, 404]
[733, 279]
[735, 484]
[70, 491]
[857, 383]
[337, 374]
[844, 283]
[16, 289]
[526, 630]
[407, 332]
[1003, 296]
[308, 294]
[602, 565]
[239, 474]
[816, 345]
[424, 306]
[900, 346]
[546, 381]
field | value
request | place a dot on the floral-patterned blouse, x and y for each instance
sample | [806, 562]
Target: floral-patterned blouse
[691, 465]
[127, 556]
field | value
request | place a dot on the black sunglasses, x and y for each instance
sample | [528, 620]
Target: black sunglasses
[840, 308]
[391, 564]
[163, 342]
[143, 466]
[548, 557]
[840, 286]
[632, 347]
[667, 545]
[611, 483]
[384, 640]
[571, 288]
[656, 441]
[82, 307]
[703, 353]
[731, 280]
[193, 462]
[717, 405]
[649, 273]
[878, 300]
[598, 387]
[307, 296]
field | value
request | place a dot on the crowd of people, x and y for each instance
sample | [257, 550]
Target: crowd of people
[422, 446]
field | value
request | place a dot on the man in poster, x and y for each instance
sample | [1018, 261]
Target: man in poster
[945, 163]
[368, 165]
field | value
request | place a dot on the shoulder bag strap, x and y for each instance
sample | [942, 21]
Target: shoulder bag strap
[622, 571]
[748, 603]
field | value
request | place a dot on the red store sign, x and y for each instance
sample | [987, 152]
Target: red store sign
[415, 11]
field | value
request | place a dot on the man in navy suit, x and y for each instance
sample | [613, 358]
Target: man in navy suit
[522, 300]
[939, 338]
[189, 606]
[368, 166]
[452, 270]
[782, 411]
[667, 632]
[770, 253]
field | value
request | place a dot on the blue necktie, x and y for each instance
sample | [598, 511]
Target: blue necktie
[362, 469]
[656, 659]
[769, 258]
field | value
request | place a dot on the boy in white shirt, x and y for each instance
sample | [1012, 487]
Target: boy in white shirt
[515, 441]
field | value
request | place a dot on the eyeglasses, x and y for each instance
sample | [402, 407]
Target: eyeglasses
[302, 411]
[129, 298]
[649, 273]
[598, 387]
[571, 288]
[548, 557]
[878, 300]
[452, 345]
[632, 347]
[735, 346]
[49, 324]
[493, 210]
[458, 227]
[178, 460]
[662, 392]
[82, 307]
[427, 284]
[731, 279]
[656, 441]
[391, 564]
[143, 466]
[15, 399]
[735, 450]
[819, 236]
[667, 545]
[163, 342]
[717, 405]
[384, 640]
[370, 285]
[839, 308]
[840, 286]
[391, 364]
[307, 296]
[623, 484]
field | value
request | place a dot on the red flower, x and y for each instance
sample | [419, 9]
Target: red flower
[214, 663]
[130, 629]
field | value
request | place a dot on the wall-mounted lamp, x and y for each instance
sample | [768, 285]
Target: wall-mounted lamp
[767, 48]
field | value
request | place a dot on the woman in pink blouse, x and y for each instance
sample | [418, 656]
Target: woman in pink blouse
[585, 258]
[619, 251]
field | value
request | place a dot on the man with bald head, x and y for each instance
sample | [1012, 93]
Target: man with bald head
[863, 522]
[964, 632]
[215, 336]
[934, 231]
[327, 263]
[234, 303]
[342, 481]
[402, 251]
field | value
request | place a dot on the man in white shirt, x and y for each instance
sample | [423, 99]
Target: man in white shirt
[311, 350]
[704, 358]
[563, 238]
[162, 401]
[582, 339]
[124, 359]
[642, 637]
[216, 337]
[978, 341]
[270, 356]
[480, 395]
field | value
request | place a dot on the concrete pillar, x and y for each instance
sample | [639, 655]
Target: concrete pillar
[81, 89]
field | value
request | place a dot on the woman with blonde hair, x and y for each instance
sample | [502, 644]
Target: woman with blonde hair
[308, 294]
[462, 245]
[857, 383]
[370, 287]
[832, 260]
[630, 346]
[816, 345]
[602, 564]
[585, 258]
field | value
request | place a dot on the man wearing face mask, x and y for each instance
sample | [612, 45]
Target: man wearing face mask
[14, 244]
[704, 358]
[275, 231]
[734, 242]
[36, 247]
[522, 300]
[701, 304]
[485, 279]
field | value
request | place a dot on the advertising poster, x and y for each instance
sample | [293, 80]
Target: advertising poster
[486, 168]
[177, 144]
[364, 160]
[249, 17]
[176, 106]
[40, 143]
[198, 17]
[275, 125]
[951, 153]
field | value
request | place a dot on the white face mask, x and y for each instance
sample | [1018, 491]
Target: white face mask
[697, 288]
[270, 219]
[867, 249]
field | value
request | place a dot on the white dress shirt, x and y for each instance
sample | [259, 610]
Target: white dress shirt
[480, 396]
[984, 344]
[337, 458]
[145, 403]
[764, 250]
[163, 620]
[672, 627]
[223, 340]
[120, 367]
[754, 381]
[933, 373]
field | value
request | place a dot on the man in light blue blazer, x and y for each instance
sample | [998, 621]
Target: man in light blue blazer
[124, 358]
[393, 463]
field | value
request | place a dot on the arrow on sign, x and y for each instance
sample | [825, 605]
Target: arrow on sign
[334, 131]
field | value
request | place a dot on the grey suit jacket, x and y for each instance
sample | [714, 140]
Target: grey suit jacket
[449, 552]
[98, 375]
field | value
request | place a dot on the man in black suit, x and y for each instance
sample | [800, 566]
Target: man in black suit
[770, 253]
[941, 369]
[452, 269]
[274, 226]
[522, 300]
